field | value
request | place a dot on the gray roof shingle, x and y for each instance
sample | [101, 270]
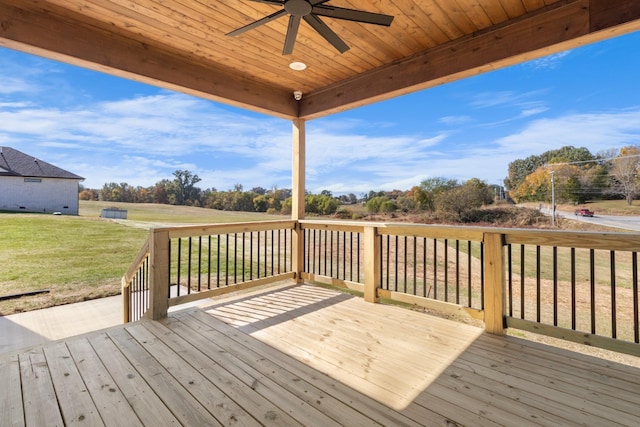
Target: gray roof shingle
[17, 163]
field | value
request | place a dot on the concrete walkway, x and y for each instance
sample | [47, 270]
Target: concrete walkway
[41, 326]
[18, 331]
[36, 327]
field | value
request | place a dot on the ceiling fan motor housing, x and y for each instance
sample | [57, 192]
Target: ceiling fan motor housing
[298, 7]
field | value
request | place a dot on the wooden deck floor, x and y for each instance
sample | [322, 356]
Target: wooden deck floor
[309, 356]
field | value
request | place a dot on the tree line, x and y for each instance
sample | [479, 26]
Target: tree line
[437, 194]
[447, 198]
[182, 190]
[575, 175]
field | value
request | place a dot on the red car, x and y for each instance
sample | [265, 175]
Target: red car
[583, 212]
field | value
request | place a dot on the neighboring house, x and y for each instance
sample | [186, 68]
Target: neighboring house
[28, 184]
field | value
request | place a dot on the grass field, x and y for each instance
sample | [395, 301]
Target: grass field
[83, 257]
[168, 214]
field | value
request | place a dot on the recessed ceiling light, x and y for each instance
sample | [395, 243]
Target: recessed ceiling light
[298, 66]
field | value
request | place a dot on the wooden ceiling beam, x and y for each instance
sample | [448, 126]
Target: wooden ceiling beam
[76, 41]
[562, 26]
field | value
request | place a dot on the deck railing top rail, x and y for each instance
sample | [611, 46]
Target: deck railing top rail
[574, 239]
[402, 229]
[211, 229]
[142, 255]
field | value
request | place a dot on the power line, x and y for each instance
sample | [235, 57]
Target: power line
[577, 162]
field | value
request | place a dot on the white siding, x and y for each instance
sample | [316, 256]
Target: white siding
[49, 195]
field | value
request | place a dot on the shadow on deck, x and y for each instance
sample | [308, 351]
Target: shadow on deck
[302, 355]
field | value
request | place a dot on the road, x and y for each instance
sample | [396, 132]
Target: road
[623, 222]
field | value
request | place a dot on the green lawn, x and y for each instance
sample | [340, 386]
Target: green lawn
[148, 212]
[83, 257]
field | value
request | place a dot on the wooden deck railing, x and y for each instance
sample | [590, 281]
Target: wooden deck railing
[580, 287]
[188, 263]
[333, 253]
[436, 267]
[135, 286]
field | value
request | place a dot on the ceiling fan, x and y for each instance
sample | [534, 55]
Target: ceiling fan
[311, 11]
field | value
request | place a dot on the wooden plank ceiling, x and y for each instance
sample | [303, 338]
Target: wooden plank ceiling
[183, 44]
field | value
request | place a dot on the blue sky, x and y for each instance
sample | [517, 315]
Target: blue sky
[108, 129]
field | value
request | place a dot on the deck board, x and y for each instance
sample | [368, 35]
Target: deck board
[10, 399]
[149, 408]
[76, 404]
[269, 365]
[586, 395]
[39, 398]
[301, 356]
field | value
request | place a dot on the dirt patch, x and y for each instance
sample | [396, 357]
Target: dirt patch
[58, 296]
[494, 216]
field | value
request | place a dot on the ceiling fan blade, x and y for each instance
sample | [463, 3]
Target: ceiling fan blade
[257, 23]
[292, 32]
[326, 32]
[352, 15]
[273, 2]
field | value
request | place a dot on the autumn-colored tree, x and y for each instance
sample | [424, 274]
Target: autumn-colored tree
[535, 187]
[88, 194]
[624, 173]
[519, 169]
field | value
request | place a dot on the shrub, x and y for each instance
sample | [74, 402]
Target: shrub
[374, 204]
[344, 213]
[388, 206]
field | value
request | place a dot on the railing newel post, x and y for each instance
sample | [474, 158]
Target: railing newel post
[494, 278]
[126, 301]
[297, 252]
[158, 274]
[371, 264]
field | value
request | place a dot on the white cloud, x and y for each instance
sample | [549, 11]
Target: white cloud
[455, 120]
[532, 111]
[596, 131]
[492, 99]
[487, 161]
[551, 61]
[12, 85]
